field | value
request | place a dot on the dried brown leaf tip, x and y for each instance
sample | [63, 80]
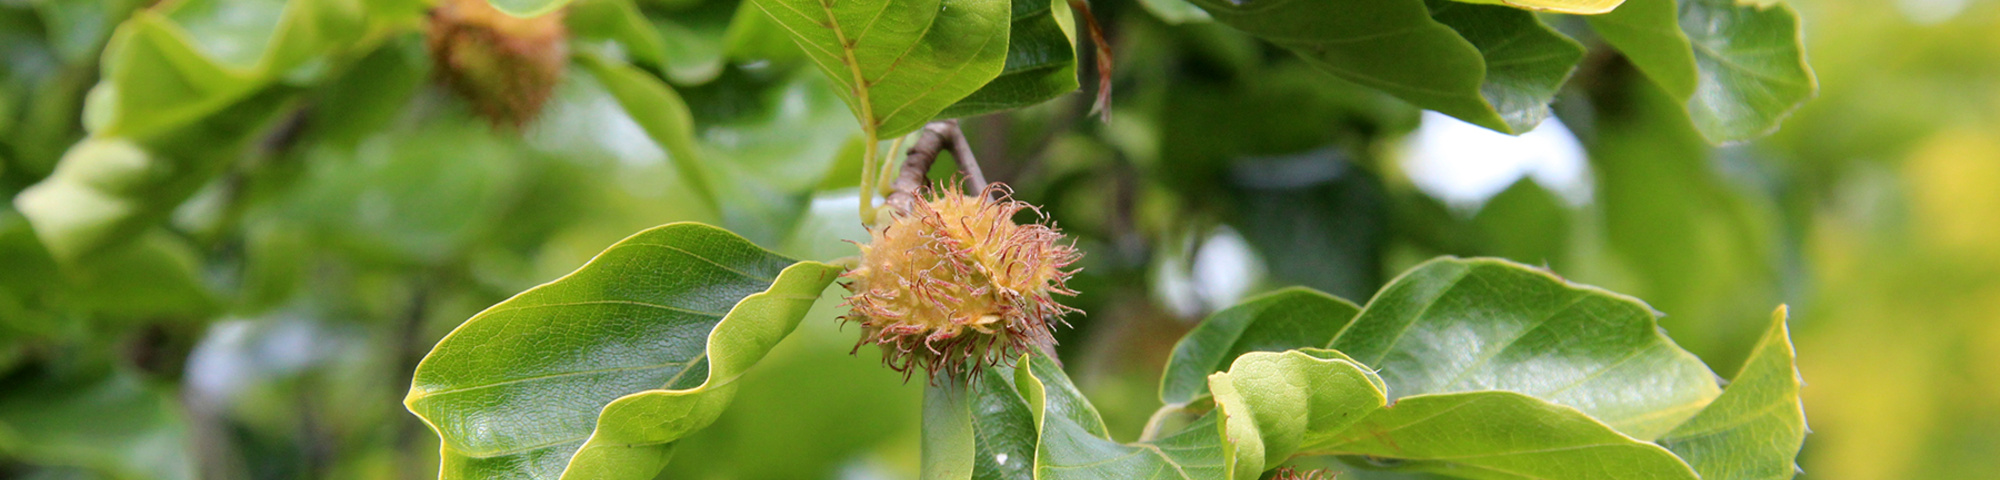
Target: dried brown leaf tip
[1288, 473]
[954, 284]
[505, 66]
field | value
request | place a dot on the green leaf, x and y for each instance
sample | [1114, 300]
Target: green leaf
[1175, 12]
[1501, 435]
[1695, 243]
[1318, 402]
[1041, 63]
[765, 144]
[98, 184]
[1278, 321]
[235, 33]
[169, 67]
[753, 36]
[1579, 7]
[1072, 442]
[1754, 430]
[422, 193]
[773, 140]
[185, 86]
[618, 21]
[1753, 66]
[694, 46]
[113, 423]
[1453, 325]
[1648, 33]
[1274, 404]
[1373, 43]
[28, 300]
[981, 429]
[1525, 223]
[107, 190]
[663, 115]
[1526, 61]
[810, 397]
[77, 30]
[156, 277]
[155, 79]
[687, 46]
[949, 441]
[899, 63]
[596, 374]
[1483, 369]
[1739, 68]
[1492, 66]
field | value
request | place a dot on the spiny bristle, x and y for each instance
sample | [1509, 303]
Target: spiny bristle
[954, 285]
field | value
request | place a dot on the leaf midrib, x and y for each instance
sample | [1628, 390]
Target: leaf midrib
[683, 363]
[860, 85]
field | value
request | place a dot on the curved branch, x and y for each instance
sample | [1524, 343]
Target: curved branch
[931, 141]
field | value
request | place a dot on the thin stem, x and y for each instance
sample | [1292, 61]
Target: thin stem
[961, 150]
[932, 140]
[887, 171]
[868, 178]
[917, 163]
[1101, 107]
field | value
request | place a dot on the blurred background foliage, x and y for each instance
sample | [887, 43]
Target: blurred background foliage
[281, 206]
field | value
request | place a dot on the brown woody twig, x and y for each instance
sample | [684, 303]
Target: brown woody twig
[931, 141]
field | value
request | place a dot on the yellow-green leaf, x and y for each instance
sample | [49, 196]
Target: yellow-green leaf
[595, 375]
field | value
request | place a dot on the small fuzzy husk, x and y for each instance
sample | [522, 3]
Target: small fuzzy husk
[954, 285]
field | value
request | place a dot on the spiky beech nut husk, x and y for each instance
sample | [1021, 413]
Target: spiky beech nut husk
[505, 66]
[954, 285]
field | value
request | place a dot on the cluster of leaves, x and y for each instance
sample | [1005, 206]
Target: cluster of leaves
[176, 163]
[290, 162]
[1473, 369]
[1468, 368]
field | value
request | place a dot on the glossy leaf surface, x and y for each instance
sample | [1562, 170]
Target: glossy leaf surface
[1738, 67]
[596, 374]
[1283, 320]
[899, 63]
[1320, 402]
[1492, 66]
[1647, 32]
[1041, 62]
[1753, 67]
[1369, 42]
[1526, 61]
[1467, 325]
[1484, 369]
[1754, 430]
[1074, 444]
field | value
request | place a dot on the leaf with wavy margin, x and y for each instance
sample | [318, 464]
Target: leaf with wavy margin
[1492, 66]
[1274, 322]
[598, 373]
